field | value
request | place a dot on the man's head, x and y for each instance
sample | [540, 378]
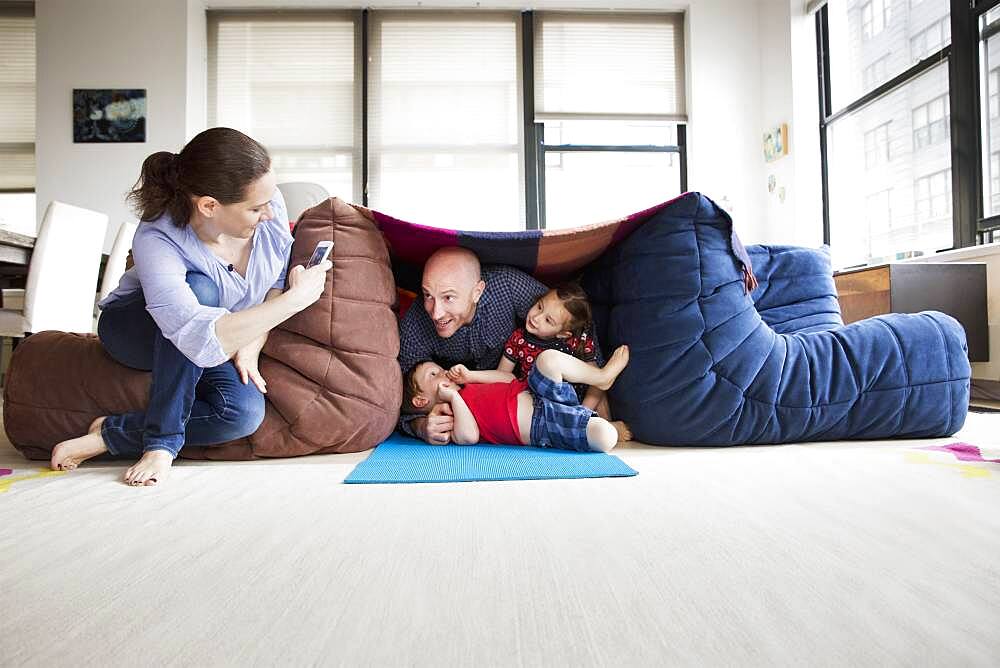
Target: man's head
[421, 386]
[452, 286]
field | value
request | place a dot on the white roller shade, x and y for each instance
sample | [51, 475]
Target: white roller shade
[17, 97]
[609, 66]
[290, 80]
[444, 126]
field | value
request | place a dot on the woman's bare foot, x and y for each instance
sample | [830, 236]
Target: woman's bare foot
[151, 468]
[67, 455]
[624, 433]
[616, 364]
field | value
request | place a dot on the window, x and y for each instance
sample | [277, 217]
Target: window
[994, 93]
[878, 218]
[931, 123]
[875, 15]
[932, 197]
[877, 146]
[445, 119]
[990, 123]
[17, 117]
[304, 115]
[620, 146]
[931, 39]
[994, 176]
[875, 73]
[432, 107]
[857, 143]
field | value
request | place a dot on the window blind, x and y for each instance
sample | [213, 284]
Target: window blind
[612, 66]
[444, 126]
[17, 96]
[290, 80]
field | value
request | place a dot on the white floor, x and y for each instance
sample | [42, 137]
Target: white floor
[853, 554]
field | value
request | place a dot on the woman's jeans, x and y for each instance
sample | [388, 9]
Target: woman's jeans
[188, 404]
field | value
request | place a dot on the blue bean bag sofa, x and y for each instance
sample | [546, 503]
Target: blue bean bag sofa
[714, 365]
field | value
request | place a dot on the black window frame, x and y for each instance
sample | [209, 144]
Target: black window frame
[969, 228]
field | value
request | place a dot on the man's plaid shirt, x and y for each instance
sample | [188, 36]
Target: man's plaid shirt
[505, 302]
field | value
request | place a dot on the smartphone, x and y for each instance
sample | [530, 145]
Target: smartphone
[322, 252]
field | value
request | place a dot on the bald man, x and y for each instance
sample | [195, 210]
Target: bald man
[469, 311]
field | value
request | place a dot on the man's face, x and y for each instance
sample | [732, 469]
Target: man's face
[430, 377]
[450, 297]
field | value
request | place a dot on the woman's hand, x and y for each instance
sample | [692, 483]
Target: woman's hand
[246, 360]
[306, 285]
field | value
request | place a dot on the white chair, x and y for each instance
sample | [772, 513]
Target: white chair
[115, 266]
[62, 274]
[300, 196]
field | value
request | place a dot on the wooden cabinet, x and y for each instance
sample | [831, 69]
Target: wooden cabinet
[958, 289]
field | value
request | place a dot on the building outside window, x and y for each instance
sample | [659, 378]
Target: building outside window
[931, 122]
[931, 39]
[875, 73]
[877, 146]
[932, 197]
[875, 16]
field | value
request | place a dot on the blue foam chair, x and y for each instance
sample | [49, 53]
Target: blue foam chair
[713, 365]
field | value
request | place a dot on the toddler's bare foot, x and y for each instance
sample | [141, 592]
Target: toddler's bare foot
[615, 365]
[624, 433]
[67, 455]
[151, 468]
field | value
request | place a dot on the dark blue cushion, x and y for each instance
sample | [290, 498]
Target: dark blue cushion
[709, 367]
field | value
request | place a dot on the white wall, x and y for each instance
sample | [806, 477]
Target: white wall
[109, 44]
[789, 95]
[724, 110]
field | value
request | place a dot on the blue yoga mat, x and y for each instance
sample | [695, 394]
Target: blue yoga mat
[401, 459]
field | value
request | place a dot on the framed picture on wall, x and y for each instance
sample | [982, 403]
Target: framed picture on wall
[103, 115]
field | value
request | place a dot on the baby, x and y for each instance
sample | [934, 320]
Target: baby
[543, 410]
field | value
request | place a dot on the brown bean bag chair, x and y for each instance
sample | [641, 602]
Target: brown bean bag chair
[332, 376]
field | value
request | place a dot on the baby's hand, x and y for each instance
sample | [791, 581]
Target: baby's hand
[447, 391]
[458, 374]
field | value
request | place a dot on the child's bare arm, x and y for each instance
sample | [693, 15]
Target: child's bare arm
[463, 376]
[465, 430]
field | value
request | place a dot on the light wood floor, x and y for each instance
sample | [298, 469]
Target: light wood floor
[850, 554]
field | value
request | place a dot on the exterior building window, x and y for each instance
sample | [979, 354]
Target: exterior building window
[877, 146]
[931, 123]
[875, 73]
[932, 196]
[875, 16]
[931, 39]
[994, 92]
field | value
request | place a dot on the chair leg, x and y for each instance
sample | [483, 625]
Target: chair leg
[7, 346]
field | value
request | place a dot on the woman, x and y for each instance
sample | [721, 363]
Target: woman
[208, 284]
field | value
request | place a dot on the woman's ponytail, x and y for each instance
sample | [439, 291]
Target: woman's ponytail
[159, 190]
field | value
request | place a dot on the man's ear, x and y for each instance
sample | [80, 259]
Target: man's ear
[477, 292]
[207, 206]
[420, 401]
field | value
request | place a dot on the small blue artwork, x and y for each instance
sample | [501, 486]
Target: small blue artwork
[109, 115]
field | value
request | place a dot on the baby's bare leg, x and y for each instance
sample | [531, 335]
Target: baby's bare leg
[601, 434]
[560, 367]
